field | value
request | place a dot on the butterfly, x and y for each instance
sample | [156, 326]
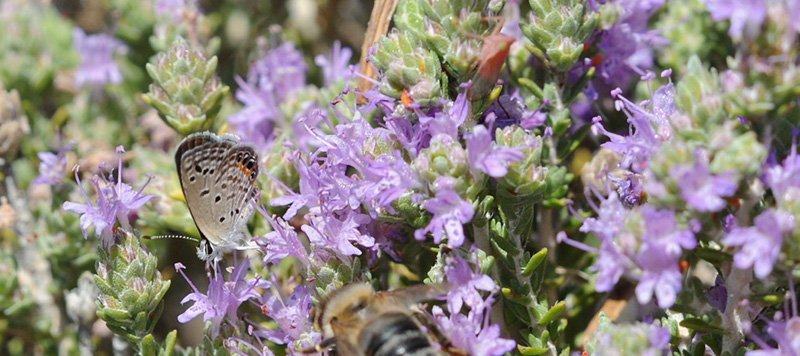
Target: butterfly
[218, 178]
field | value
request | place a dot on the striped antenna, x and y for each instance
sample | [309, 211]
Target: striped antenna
[158, 237]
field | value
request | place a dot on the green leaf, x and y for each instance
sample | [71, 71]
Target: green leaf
[552, 313]
[148, 345]
[528, 350]
[701, 325]
[169, 344]
[534, 262]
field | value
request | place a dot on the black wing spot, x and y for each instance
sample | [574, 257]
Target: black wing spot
[237, 211]
[222, 219]
[205, 171]
[224, 185]
[192, 179]
[250, 164]
[198, 168]
[217, 199]
[211, 171]
[204, 192]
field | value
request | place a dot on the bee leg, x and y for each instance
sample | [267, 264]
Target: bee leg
[322, 346]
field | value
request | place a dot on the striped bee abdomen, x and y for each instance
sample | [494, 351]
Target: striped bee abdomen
[394, 334]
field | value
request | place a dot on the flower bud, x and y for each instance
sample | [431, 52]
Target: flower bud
[408, 67]
[186, 91]
[131, 288]
[558, 28]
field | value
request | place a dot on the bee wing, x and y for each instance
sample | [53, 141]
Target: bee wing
[413, 294]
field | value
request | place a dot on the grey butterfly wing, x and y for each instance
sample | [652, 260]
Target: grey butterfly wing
[203, 159]
[236, 188]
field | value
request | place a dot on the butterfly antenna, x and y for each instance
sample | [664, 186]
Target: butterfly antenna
[182, 237]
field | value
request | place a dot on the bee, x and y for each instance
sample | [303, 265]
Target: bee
[357, 321]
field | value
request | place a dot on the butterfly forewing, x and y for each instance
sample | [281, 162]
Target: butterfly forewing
[218, 183]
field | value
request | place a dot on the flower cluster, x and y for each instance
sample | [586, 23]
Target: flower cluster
[447, 161]
[115, 200]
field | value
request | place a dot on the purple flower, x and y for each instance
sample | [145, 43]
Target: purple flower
[385, 180]
[472, 333]
[652, 257]
[377, 100]
[282, 242]
[511, 28]
[611, 261]
[281, 71]
[97, 66]
[490, 159]
[746, 15]
[223, 297]
[446, 122]
[336, 66]
[292, 317]
[662, 245]
[781, 178]
[649, 128]
[172, 8]
[319, 185]
[787, 336]
[52, 166]
[310, 190]
[465, 283]
[661, 232]
[339, 232]
[260, 350]
[510, 109]
[385, 176]
[793, 8]
[449, 211]
[702, 191]
[114, 202]
[270, 81]
[660, 276]
[610, 266]
[626, 47]
[761, 243]
[255, 122]
[610, 218]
